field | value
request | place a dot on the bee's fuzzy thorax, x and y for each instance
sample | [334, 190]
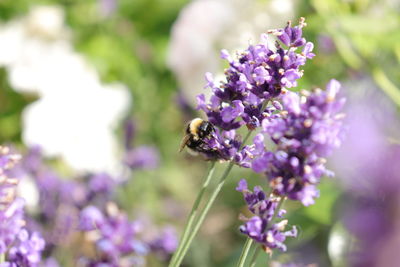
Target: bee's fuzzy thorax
[194, 126]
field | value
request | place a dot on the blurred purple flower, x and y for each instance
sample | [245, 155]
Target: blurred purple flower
[11, 222]
[166, 243]
[60, 199]
[69, 204]
[90, 218]
[27, 250]
[118, 239]
[101, 183]
[129, 133]
[17, 246]
[326, 44]
[143, 157]
[367, 165]
[107, 7]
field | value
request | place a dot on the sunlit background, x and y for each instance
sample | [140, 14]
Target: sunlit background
[107, 86]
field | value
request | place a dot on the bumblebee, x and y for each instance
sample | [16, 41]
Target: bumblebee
[196, 131]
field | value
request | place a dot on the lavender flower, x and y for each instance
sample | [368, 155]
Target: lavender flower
[69, 205]
[143, 157]
[303, 128]
[261, 227]
[28, 249]
[61, 199]
[305, 132]
[166, 243]
[367, 165]
[259, 74]
[118, 240]
[101, 183]
[90, 218]
[256, 77]
[16, 244]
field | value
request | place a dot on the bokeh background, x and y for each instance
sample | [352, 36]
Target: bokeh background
[103, 85]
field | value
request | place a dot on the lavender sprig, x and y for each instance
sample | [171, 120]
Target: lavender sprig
[306, 130]
[17, 246]
[118, 240]
[71, 207]
[261, 227]
[255, 78]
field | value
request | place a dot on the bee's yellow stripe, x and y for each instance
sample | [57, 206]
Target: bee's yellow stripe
[194, 125]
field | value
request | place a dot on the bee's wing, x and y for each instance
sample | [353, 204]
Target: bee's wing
[184, 142]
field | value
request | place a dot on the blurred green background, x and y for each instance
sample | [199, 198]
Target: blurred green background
[130, 44]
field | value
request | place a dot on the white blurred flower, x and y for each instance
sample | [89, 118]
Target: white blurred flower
[76, 114]
[79, 126]
[47, 22]
[28, 189]
[204, 27]
[339, 244]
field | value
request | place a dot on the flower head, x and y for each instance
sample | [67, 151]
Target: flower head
[118, 239]
[19, 247]
[254, 80]
[261, 226]
[305, 132]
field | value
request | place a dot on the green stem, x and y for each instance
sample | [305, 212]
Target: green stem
[203, 215]
[2, 257]
[193, 213]
[254, 257]
[206, 209]
[245, 252]
[245, 139]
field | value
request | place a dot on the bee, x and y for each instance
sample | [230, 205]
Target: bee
[196, 131]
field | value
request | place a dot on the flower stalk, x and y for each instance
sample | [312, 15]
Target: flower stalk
[202, 215]
[245, 252]
[254, 257]
[250, 241]
[204, 212]
[193, 214]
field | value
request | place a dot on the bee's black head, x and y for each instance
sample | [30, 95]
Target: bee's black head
[205, 129]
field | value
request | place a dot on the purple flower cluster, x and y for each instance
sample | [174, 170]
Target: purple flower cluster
[27, 249]
[61, 199]
[377, 241]
[261, 226]
[255, 78]
[367, 167]
[304, 127]
[118, 240]
[296, 130]
[7, 184]
[17, 246]
[70, 206]
[304, 132]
